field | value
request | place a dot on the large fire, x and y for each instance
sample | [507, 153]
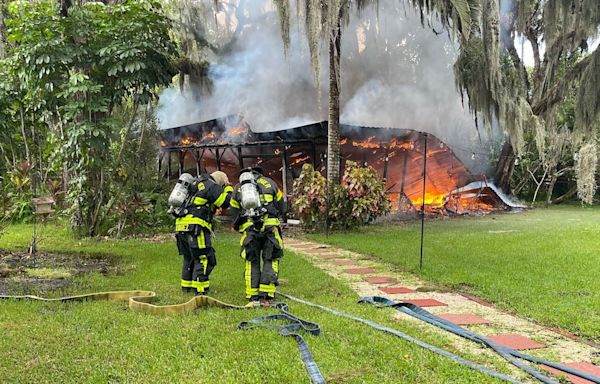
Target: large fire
[397, 157]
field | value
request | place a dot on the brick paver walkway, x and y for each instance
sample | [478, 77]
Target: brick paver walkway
[373, 277]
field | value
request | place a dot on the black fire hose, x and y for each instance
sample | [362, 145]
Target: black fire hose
[292, 325]
[509, 354]
[404, 336]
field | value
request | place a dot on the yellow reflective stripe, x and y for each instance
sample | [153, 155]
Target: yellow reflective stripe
[275, 265]
[279, 195]
[182, 223]
[186, 283]
[200, 285]
[270, 288]
[278, 237]
[243, 238]
[266, 198]
[200, 201]
[271, 221]
[182, 227]
[201, 243]
[247, 274]
[228, 188]
[204, 262]
[243, 254]
[264, 182]
[245, 226]
[234, 203]
[221, 199]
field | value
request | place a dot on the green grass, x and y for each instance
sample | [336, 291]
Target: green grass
[102, 342]
[48, 273]
[543, 264]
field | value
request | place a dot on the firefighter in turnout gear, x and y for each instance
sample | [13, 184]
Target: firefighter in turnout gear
[258, 207]
[193, 227]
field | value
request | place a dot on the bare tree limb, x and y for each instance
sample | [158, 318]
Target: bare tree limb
[557, 93]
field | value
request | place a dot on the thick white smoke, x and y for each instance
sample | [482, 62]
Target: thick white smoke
[395, 73]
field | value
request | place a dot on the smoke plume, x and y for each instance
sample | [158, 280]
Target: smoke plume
[395, 73]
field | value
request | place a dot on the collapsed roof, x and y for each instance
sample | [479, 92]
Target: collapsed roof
[397, 155]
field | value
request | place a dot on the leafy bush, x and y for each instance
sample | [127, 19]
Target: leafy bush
[359, 199]
[16, 195]
[71, 73]
[309, 196]
[140, 213]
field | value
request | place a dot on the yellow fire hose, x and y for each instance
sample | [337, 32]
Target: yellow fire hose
[138, 301]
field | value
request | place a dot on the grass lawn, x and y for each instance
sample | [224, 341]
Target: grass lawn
[102, 342]
[543, 264]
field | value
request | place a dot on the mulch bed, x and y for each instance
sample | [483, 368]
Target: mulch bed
[17, 270]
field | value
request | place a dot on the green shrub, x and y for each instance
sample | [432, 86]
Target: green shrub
[359, 199]
[139, 213]
[16, 194]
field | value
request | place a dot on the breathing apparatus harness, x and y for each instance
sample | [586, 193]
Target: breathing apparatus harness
[252, 207]
[181, 195]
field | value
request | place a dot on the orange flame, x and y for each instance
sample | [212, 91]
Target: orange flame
[369, 143]
[407, 145]
[186, 140]
[372, 143]
[432, 199]
[300, 160]
[236, 131]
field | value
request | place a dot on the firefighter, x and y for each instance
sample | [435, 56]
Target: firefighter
[193, 226]
[258, 207]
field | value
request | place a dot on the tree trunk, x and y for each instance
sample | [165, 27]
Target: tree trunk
[6, 159]
[125, 138]
[333, 131]
[566, 196]
[505, 168]
[64, 7]
[2, 30]
[539, 185]
[24, 135]
[553, 180]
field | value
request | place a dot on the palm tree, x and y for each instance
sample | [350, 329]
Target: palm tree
[324, 19]
[491, 73]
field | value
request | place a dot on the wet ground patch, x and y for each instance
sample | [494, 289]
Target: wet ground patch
[22, 273]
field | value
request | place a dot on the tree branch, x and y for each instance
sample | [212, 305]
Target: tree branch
[557, 93]
[570, 193]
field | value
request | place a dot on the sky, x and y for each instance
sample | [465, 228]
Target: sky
[526, 51]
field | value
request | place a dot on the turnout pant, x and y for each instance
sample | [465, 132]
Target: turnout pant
[261, 252]
[199, 260]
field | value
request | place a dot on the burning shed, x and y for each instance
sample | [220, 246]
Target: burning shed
[229, 144]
